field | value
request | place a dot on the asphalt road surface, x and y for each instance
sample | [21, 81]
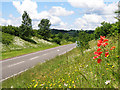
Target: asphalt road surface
[17, 65]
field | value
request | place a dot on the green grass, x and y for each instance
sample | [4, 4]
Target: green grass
[14, 53]
[71, 70]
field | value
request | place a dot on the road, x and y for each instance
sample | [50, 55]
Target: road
[17, 65]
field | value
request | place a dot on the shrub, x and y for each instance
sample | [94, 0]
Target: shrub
[6, 38]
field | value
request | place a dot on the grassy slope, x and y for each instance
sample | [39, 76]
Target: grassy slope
[20, 47]
[71, 70]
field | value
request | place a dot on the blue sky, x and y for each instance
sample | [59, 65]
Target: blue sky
[65, 14]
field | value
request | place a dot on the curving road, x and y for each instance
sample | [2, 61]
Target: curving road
[17, 65]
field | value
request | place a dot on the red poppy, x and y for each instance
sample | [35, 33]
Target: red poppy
[99, 60]
[98, 49]
[113, 47]
[99, 44]
[106, 54]
[95, 57]
[104, 44]
[102, 37]
[98, 53]
[105, 40]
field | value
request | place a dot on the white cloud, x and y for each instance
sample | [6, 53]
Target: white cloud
[27, 5]
[60, 11]
[93, 4]
[88, 21]
[31, 8]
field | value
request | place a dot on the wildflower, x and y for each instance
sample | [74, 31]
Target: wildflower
[104, 44]
[59, 85]
[117, 56]
[106, 54]
[107, 82]
[65, 84]
[72, 81]
[113, 47]
[108, 64]
[99, 60]
[69, 86]
[98, 49]
[11, 86]
[103, 74]
[74, 86]
[105, 40]
[112, 66]
[35, 85]
[33, 80]
[95, 57]
[54, 84]
[107, 68]
[102, 37]
[50, 84]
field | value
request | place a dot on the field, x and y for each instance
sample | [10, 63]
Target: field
[73, 70]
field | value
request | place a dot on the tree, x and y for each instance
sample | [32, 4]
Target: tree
[44, 28]
[26, 26]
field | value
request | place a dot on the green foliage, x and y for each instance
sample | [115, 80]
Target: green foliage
[11, 30]
[66, 36]
[6, 38]
[56, 40]
[26, 26]
[60, 35]
[83, 41]
[44, 28]
[107, 29]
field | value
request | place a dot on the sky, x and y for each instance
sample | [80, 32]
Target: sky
[63, 14]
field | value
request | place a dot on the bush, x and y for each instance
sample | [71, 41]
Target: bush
[6, 38]
[56, 40]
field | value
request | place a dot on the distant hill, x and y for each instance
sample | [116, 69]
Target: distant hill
[71, 32]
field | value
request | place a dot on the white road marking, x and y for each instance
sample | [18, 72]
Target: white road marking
[32, 53]
[34, 57]
[58, 50]
[16, 64]
[14, 75]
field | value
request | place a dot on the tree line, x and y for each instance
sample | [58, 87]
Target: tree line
[25, 31]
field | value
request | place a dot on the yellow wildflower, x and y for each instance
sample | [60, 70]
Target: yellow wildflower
[35, 85]
[117, 56]
[54, 84]
[72, 81]
[103, 74]
[74, 86]
[59, 85]
[50, 84]
[112, 66]
[69, 86]
[107, 55]
[33, 80]
[108, 64]
[107, 68]
[67, 81]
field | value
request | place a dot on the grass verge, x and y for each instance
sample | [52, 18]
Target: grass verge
[71, 70]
